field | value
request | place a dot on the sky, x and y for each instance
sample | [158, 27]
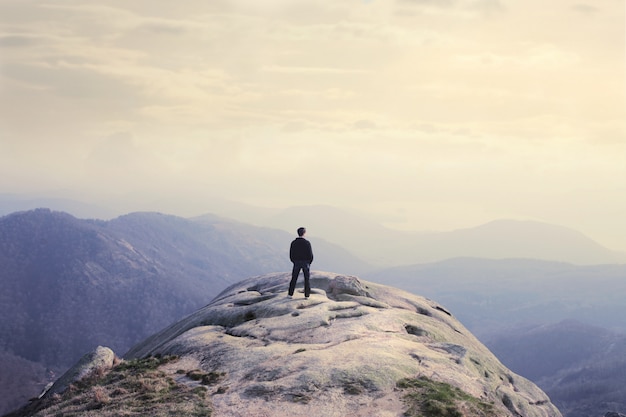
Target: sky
[425, 114]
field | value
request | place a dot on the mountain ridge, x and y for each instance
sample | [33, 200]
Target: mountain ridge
[377, 244]
[498, 239]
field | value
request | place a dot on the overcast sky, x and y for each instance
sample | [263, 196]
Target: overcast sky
[430, 114]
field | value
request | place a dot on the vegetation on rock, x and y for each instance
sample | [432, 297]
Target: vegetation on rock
[425, 397]
[132, 388]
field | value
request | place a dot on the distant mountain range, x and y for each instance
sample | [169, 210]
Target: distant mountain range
[378, 245]
[491, 296]
[499, 239]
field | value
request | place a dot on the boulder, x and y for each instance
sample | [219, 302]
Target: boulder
[99, 360]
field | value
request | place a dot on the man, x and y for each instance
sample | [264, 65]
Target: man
[301, 254]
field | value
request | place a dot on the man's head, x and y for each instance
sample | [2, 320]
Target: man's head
[301, 231]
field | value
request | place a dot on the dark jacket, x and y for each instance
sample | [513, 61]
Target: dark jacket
[301, 250]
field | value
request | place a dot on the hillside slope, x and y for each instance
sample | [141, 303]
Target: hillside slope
[581, 367]
[71, 284]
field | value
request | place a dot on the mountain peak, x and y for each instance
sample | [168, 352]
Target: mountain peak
[348, 350]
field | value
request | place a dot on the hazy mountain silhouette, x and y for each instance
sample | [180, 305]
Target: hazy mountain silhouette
[580, 367]
[11, 203]
[376, 244]
[503, 239]
[491, 295]
[70, 284]
[499, 239]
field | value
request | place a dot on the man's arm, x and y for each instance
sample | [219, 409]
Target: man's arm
[310, 252]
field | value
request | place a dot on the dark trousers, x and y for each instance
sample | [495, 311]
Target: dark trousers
[297, 266]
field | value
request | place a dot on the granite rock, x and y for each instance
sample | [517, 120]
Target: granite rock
[339, 353]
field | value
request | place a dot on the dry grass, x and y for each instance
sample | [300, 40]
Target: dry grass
[134, 388]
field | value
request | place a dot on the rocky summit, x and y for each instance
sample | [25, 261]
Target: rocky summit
[354, 348]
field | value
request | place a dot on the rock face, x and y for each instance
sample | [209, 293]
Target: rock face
[342, 352]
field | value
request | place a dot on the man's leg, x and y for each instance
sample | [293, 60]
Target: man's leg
[307, 285]
[294, 277]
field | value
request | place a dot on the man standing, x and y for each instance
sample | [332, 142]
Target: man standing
[301, 254]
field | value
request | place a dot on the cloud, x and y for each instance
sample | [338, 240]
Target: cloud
[539, 57]
[313, 70]
[17, 41]
[434, 3]
[70, 81]
[487, 6]
[163, 28]
[365, 125]
[585, 8]
[473, 5]
[115, 152]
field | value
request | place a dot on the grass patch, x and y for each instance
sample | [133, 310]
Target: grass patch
[206, 378]
[425, 397]
[132, 388]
